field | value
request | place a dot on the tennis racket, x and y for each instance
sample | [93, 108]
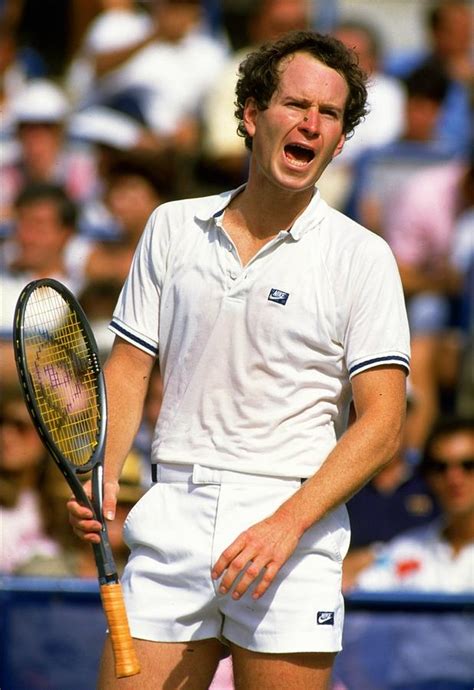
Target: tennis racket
[63, 386]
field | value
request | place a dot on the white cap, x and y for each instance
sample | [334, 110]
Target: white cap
[117, 29]
[101, 125]
[40, 101]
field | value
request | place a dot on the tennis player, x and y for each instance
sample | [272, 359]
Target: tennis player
[268, 311]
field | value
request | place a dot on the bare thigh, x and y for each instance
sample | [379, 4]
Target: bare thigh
[165, 666]
[256, 671]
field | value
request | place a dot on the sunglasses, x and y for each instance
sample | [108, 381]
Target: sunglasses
[441, 467]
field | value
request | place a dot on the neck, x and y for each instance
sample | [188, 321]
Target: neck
[266, 212]
[390, 478]
[54, 267]
[459, 531]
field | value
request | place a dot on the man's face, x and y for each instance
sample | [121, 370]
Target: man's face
[358, 41]
[131, 200]
[453, 36]
[40, 235]
[176, 19]
[300, 132]
[40, 142]
[21, 446]
[277, 17]
[453, 484]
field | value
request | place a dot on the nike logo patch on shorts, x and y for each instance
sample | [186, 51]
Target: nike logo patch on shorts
[325, 618]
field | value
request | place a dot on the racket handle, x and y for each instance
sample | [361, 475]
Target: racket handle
[126, 662]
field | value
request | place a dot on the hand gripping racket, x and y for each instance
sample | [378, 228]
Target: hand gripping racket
[63, 386]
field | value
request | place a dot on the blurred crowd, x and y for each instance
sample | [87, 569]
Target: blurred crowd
[129, 105]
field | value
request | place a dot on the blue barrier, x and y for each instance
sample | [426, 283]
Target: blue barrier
[51, 634]
[52, 631]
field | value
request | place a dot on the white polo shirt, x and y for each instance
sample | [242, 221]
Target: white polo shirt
[257, 359]
[421, 559]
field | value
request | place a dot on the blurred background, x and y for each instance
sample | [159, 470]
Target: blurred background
[112, 107]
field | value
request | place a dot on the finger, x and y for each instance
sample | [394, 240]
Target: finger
[78, 511]
[267, 578]
[233, 572]
[85, 526]
[254, 570]
[89, 537]
[226, 558]
[109, 504]
[87, 530]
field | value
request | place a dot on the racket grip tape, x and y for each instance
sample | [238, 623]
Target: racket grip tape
[126, 661]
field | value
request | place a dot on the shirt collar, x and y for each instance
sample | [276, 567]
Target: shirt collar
[221, 203]
[310, 218]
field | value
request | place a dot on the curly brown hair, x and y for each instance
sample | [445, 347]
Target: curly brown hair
[259, 74]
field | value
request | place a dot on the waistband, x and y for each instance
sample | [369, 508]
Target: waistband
[170, 473]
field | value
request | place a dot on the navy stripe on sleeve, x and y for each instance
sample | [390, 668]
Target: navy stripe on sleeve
[133, 338]
[388, 359]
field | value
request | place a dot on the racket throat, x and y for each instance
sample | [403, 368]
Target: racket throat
[103, 553]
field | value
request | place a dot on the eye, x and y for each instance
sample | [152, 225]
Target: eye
[295, 104]
[330, 112]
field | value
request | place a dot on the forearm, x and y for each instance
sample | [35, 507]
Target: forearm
[127, 374]
[108, 61]
[369, 444]
[360, 453]
[442, 280]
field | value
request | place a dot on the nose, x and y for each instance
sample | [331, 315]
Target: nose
[310, 121]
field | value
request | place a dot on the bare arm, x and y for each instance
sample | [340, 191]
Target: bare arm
[107, 61]
[444, 280]
[127, 374]
[369, 444]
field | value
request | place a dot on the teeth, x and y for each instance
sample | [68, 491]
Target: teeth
[300, 164]
[306, 157]
[296, 161]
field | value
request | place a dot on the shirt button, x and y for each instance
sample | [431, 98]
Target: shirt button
[233, 275]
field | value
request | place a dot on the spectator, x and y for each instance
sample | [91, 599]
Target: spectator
[98, 299]
[420, 230]
[438, 556]
[426, 650]
[118, 26]
[380, 171]
[462, 257]
[40, 247]
[24, 496]
[17, 66]
[110, 135]
[161, 77]
[385, 119]
[449, 25]
[135, 186]
[40, 112]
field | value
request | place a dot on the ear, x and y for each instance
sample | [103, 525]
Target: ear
[250, 116]
[340, 146]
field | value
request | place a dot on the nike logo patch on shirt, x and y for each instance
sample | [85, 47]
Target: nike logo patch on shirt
[278, 296]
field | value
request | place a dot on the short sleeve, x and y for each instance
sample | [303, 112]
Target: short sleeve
[136, 316]
[376, 329]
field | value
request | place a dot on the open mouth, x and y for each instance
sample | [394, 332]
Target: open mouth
[298, 155]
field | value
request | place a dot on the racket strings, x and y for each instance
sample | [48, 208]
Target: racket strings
[61, 365]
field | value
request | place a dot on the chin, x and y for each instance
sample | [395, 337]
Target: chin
[296, 183]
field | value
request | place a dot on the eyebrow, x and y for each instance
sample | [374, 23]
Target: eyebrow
[307, 103]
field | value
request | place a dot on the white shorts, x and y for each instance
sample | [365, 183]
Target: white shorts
[176, 533]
